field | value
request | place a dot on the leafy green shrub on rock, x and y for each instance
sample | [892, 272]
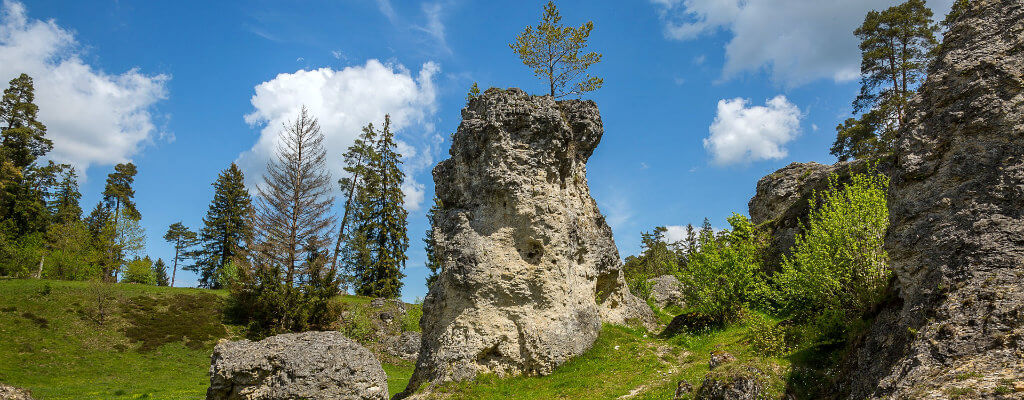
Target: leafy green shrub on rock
[766, 338]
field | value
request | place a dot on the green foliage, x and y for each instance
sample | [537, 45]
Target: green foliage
[433, 263]
[71, 255]
[139, 270]
[182, 239]
[376, 246]
[960, 7]
[157, 321]
[766, 338]
[553, 52]
[226, 228]
[838, 268]
[657, 257]
[412, 316]
[723, 276]
[474, 92]
[896, 46]
[160, 272]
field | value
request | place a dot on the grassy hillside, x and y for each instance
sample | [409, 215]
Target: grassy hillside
[155, 343]
[75, 340]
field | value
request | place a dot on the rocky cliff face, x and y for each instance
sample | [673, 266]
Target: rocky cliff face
[956, 236]
[529, 267]
[783, 200]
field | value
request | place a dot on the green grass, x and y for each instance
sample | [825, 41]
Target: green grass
[155, 342]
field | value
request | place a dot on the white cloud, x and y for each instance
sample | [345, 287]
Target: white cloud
[675, 233]
[433, 12]
[741, 133]
[797, 41]
[344, 101]
[92, 117]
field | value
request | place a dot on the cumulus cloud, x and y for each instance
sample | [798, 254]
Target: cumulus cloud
[344, 101]
[93, 117]
[797, 41]
[675, 233]
[742, 133]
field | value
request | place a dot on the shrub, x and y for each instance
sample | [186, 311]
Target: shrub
[766, 338]
[838, 267]
[721, 277]
[411, 319]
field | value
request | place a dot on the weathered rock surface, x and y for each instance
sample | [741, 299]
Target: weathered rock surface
[666, 290]
[12, 393]
[783, 200]
[956, 236]
[733, 381]
[405, 346]
[309, 365]
[529, 267]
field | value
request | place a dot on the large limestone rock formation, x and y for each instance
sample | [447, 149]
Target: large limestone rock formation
[307, 366]
[783, 200]
[956, 237]
[529, 267]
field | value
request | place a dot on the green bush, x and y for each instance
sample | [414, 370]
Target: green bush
[838, 269]
[723, 276]
[411, 319]
[766, 338]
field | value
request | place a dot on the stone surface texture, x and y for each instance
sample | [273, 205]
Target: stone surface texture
[734, 381]
[12, 393]
[956, 238]
[666, 290]
[529, 268]
[308, 365]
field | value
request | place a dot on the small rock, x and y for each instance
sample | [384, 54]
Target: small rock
[308, 365]
[733, 382]
[719, 358]
[377, 302]
[666, 290]
[684, 388]
[1018, 386]
[13, 393]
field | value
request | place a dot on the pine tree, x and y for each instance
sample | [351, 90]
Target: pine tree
[896, 46]
[226, 227]
[124, 216]
[553, 51]
[65, 206]
[293, 224]
[357, 159]
[160, 271]
[22, 141]
[433, 260]
[474, 92]
[182, 239]
[379, 241]
[960, 7]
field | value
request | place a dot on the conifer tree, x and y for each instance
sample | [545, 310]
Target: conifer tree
[896, 46]
[182, 239]
[123, 215]
[225, 227]
[379, 241]
[433, 261]
[357, 160]
[22, 141]
[293, 226]
[160, 271]
[553, 51]
[65, 206]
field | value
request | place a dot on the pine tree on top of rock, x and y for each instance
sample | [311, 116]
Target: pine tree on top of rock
[896, 46]
[553, 51]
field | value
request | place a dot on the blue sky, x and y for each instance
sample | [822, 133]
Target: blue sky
[701, 97]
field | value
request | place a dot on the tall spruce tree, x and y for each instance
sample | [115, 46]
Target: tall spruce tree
[380, 240]
[293, 225]
[182, 239]
[896, 46]
[160, 271]
[225, 227]
[357, 162]
[65, 206]
[22, 141]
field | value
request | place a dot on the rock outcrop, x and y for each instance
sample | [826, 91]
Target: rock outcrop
[529, 268]
[666, 290]
[13, 393]
[783, 200]
[309, 365]
[955, 321]
[734, 381]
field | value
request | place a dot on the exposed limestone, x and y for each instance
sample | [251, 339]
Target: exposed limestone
[734, 381]
[783, 199]
[666, 290]
[529, 267]
[309, 365]
[13, 393]
[956, 236]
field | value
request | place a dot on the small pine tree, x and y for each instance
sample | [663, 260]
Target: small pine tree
[182, 239]
[429, 246]
[474, 92]
[160, 271]
[553, 51]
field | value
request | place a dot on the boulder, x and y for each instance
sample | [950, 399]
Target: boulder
[309, 365]
[783, 200]
[529, 269]
[734, 381]
[405, 346]
[955, 317]
[666, 290]
[719, 358]
[13, 393]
